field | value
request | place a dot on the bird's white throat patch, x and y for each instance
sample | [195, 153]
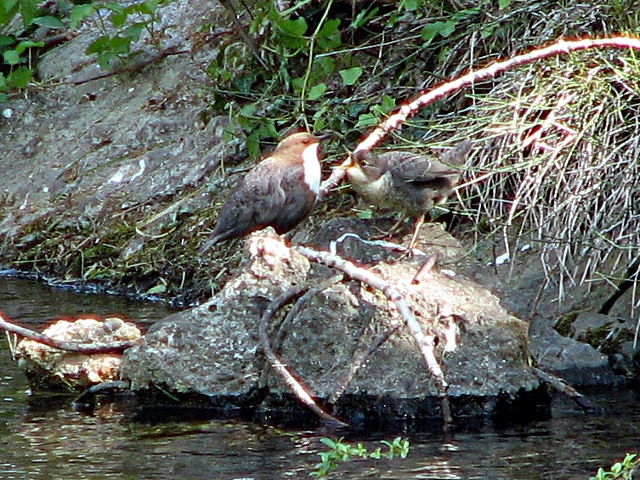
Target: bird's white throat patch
[312, 171]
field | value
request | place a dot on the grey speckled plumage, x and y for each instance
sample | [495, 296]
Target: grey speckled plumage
[278, 192]
[407, 182]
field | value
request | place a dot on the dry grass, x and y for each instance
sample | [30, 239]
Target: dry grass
[556, 163]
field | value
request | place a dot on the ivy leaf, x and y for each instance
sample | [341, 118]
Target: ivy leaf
[79, 13]
[367, 120]
[329, 35]
[48, 21]
[444, 29]
[294, 28]
[351, 75]
[317, 91]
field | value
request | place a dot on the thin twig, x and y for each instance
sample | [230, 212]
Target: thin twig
[426, 343]
[359, 359]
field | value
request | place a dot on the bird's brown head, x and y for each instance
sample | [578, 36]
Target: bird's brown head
[296, 144]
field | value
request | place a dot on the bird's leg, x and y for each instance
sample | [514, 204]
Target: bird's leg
[414, 237]
[391, 231]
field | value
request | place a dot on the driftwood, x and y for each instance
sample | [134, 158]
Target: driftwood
[88, 349]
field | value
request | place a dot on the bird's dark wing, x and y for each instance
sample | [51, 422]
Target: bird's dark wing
[298, 199]
[252, 206]
[418, 169]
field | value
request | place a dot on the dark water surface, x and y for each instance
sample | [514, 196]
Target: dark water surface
[41, 437]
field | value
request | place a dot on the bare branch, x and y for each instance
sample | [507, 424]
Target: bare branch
[301, 392]
[426, 343]
[428, 97]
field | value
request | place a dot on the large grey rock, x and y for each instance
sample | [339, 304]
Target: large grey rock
[214, 350]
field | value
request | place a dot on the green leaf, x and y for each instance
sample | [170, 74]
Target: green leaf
[7, 6]
[295, 28]
[364, 17]
[6, 40]
[367, 120]
[106, 58]
[11, 57]
[248, 110]
[388, 103]
[161, 288]
[20, 77]
[132, 32]
[297, 84]
[411, 5]
[99, 45]
[118, 19]
[3, 97]
[322, 68]
[328, 442]
[79, 13]
[329, 35]
[28, 10]
[151, 6]
[48, 21]
[502, 4]
[120, 45]
[22, 46]
[351, 75]
[444, 29]
[316, 91]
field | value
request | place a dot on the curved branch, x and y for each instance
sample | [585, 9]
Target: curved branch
[426, 343]
[428, 97]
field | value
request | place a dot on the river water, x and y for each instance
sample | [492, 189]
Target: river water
[41, 437]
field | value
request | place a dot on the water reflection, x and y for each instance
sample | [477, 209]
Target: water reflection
[42, 437]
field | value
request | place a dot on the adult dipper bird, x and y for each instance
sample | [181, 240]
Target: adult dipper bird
[279, 192]
[407, 182]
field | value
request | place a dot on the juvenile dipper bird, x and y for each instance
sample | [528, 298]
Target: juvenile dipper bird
[279, 192]
[407, 182]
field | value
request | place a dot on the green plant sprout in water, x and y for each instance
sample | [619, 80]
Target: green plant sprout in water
[343, 452]
[622, 470]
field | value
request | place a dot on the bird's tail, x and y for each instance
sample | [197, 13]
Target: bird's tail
[458, 154]
[208, 244]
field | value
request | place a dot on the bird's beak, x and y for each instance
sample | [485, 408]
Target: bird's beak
[324, 137]
[349, 162]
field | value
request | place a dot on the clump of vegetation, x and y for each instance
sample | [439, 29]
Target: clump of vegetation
[340, 451]
[623, 470]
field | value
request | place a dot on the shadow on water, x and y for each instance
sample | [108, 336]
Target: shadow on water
[42, 437]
